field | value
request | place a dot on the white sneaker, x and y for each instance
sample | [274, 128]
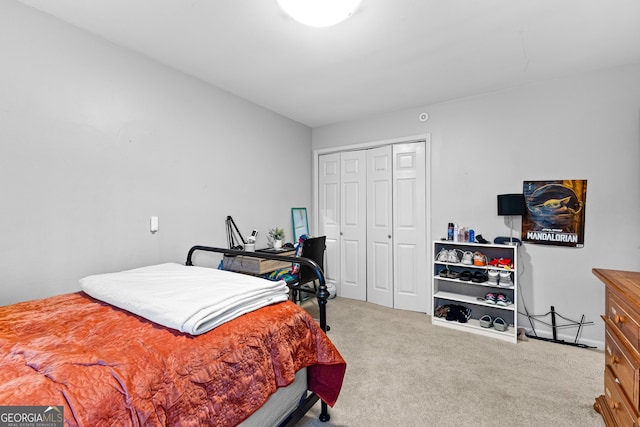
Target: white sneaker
[505, 278]
[332, 290]
[493, 276]
[443, 255]
[453, 257]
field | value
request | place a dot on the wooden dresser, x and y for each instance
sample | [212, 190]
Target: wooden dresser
[620, 403]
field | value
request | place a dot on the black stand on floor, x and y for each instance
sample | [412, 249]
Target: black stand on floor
[555, 327]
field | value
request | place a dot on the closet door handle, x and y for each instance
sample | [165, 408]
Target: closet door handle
[389, 235]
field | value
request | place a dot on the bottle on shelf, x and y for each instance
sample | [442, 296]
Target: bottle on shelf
[461, 235]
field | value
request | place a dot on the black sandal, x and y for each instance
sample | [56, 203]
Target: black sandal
[479, 277]
[466, 276]
[453, 274]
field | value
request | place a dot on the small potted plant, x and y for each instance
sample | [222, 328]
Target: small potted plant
[276, 236]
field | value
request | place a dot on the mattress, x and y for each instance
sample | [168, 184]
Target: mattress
[280, 404]
[106, 366]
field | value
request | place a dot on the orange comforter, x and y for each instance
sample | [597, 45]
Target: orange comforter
[109, 367]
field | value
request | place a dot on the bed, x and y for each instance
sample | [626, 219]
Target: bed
[103, 365]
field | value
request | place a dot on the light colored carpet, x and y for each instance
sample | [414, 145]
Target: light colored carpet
[402, 371]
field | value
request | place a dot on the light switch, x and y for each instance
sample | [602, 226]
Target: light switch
[153, 224]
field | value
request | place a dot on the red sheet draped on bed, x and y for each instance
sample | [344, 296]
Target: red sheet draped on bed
[109, 367]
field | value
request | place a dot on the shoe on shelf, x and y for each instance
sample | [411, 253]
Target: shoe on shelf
[452, 274]
[441, 311]
[490, 298]
[479, 259]
[443, 255]
[465, 314]
[466, 276]
[467, 258]
[479, 277]
[481, 239]
[505, 278]
[505, 262]
[503, 300]
[453, 257]
[486, 321]
[493, 276]
[452, 313]
[499, 324]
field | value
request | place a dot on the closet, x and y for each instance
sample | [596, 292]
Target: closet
[372, 210]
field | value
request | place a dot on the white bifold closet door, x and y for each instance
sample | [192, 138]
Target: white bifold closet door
[410, 281]
[353, 225]
[372, 210]
[329, 215]
[379, 226]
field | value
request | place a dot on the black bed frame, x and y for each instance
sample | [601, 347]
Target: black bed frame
[322, 296]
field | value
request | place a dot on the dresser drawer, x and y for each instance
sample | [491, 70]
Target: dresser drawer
[622, 411]
[623, 367]
[624, 318]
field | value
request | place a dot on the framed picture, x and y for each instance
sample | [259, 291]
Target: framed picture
[555, 212]
[300, 223]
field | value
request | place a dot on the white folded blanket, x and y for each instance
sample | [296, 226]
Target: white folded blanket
[187, 298]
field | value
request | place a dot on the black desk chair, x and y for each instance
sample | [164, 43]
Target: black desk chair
[312, 248]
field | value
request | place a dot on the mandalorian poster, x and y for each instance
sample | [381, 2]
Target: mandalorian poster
[554, 212]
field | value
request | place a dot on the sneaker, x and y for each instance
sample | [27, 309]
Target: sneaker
[503, 300]
[443, 256]
[505, 278]
[505, 262]
[499, 324]
[486, 321]
[453, 257]
[490, 298]
[453, 313]
[332, 290]
[481, 239]
[479, 259]
[493, 276]
[467, 258]
[465, 314]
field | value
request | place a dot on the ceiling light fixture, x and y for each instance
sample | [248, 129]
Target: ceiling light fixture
[319, 13]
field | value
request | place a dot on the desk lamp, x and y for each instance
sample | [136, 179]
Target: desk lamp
[511, 205]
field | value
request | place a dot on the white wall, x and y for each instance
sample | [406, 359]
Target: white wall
[578, 127]
[95, 139]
